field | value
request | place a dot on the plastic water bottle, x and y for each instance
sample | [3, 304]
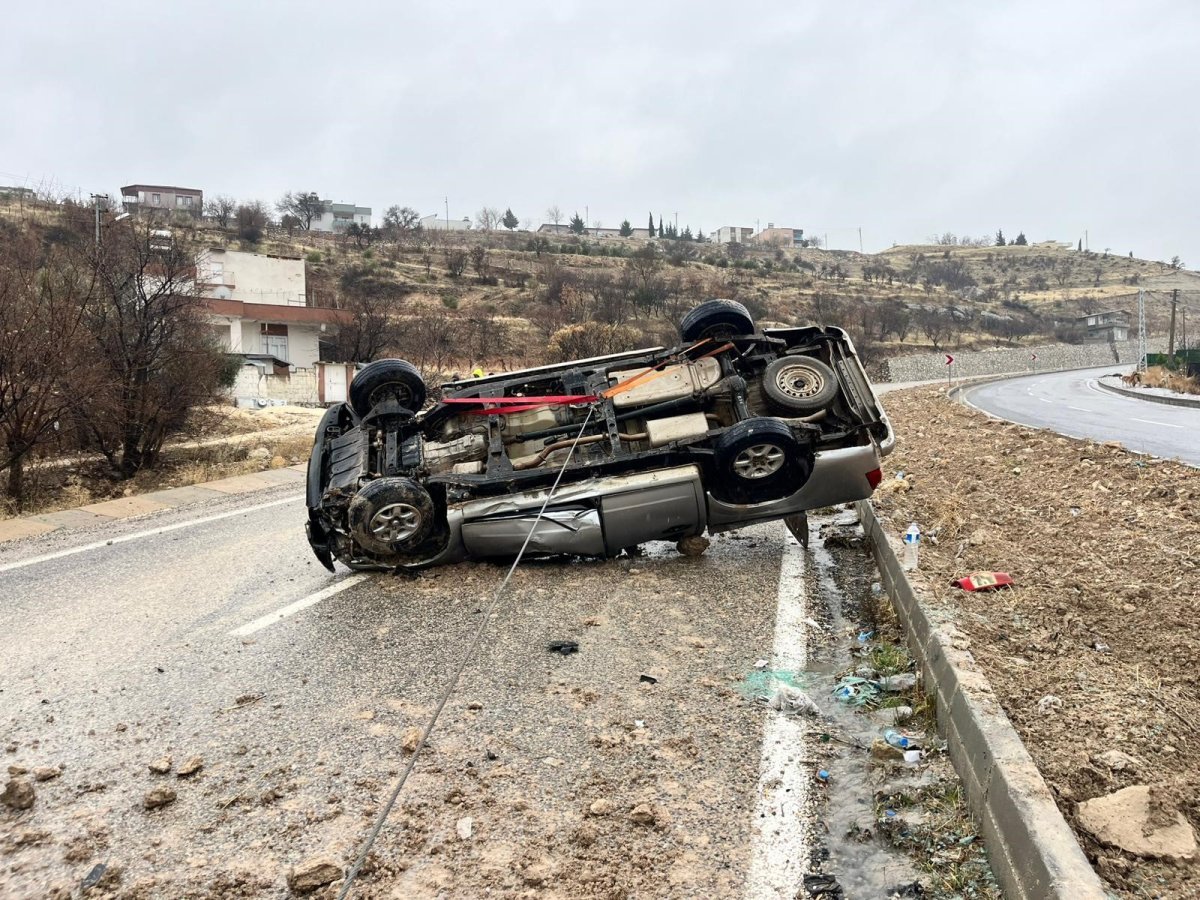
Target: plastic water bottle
[895, 738]
[912, 540]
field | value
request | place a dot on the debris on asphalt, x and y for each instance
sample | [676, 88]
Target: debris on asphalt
[983, 581]
[692, 546]
[566, 648]
[601, 807]
[1131, 820]
[190, 766]
[46, 773]
[410, 740]
[93, 877]
[647, 679]
[789, 699]
[18, 794]
[158, 797]
[464, 828]
[650, 814]
[161, 766]
[313, 873]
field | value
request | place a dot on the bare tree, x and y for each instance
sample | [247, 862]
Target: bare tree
[304, 205]
[479, 261]
[555, 215]
[43, 371]
[456, 261]
[220, 209]
[488, 218]
[401, 223]
[155, 356]
[936, 325]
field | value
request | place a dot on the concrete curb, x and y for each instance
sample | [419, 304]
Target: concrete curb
[1032, 850]
[1149, 398]
[153, 501]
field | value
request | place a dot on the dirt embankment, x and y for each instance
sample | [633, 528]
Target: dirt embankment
[1095, 649]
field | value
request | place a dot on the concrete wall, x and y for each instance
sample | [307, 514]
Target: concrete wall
[299, 388]
[928, 366]
[254, 277]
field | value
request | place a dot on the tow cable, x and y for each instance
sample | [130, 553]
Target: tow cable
[471, 648]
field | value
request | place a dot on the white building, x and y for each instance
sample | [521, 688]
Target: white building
[339, 216]
[259, 307]
[441, 223]
[732, 234]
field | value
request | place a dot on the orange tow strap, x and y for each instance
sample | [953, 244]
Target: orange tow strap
[656, 371]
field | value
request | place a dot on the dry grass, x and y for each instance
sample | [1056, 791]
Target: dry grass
[1162, 377]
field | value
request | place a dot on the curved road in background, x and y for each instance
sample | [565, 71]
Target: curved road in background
[1071, 404]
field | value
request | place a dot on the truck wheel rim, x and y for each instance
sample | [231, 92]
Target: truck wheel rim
[759, 461]
[398, 392]
[396, 522]
[800, 382]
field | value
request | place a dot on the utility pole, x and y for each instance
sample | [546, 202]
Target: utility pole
[96, 198]
[860, 249]
[1086, 245]
[1183, 344]
[1141, 363]
[1171, 338]
[677, 223]
[447, 198]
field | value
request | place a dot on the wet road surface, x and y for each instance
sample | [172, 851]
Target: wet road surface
[1071, 404]
[636, 767]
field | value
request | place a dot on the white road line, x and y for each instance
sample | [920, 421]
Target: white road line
[1044, 400]
[150, 532]
[1152, 422]
[302, 604]
[779, 851]
[1078, 409]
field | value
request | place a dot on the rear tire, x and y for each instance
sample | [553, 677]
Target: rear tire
[758, 460]
[800, 384]
[391, 515]
[716, 319]
[387, 379]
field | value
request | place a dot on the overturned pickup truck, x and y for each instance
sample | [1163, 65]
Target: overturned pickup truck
[734, 426]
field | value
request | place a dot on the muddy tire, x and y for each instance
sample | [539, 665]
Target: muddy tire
[758, 460]
[800, 384]
[391, 515]
[716, 319]
[387, 379]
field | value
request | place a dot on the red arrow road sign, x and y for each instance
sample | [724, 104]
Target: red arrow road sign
[949, 359]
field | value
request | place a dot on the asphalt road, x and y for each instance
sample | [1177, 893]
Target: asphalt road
[211, 631]
[1071, 404]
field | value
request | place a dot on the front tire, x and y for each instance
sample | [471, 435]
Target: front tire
[391, 515]
[758, 460]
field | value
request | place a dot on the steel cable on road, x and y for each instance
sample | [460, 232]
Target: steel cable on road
[446, 695]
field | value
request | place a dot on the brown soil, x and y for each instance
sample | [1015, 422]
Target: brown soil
[1104, 547]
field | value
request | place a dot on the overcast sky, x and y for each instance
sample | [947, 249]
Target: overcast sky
[906, 119]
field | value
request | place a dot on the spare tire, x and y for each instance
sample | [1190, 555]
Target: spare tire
[757, 460]
[387, 379]
[800, 384]
[391, 515]
[717, 319]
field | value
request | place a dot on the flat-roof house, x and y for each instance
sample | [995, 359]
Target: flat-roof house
[1106, 326]
[441, 223]
[339, 216]
[732, 234]
[162, 198]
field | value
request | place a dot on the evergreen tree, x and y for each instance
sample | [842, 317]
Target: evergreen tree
[1000, 242]
[662, 229]
[626, 228]
[687, 233]
[1080, 247]
[700, 238]
[577, 226]
[509, 221]
[651, 224]
[1019, 240]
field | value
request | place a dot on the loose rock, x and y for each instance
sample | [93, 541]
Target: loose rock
[190, 766]
[312, 873]
[1116, 760]
[1126, 820]
[158, 797]
[46, 773]
[161, 766]
[410, 740]
[601, 807]
[18, 794]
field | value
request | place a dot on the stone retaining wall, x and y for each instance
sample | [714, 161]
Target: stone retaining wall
[967, 364]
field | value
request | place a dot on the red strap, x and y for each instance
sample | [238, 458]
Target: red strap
[510, 405]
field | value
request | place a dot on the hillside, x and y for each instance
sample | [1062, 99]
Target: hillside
[452, 300]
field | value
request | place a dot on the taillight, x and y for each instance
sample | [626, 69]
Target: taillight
[874, 477]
